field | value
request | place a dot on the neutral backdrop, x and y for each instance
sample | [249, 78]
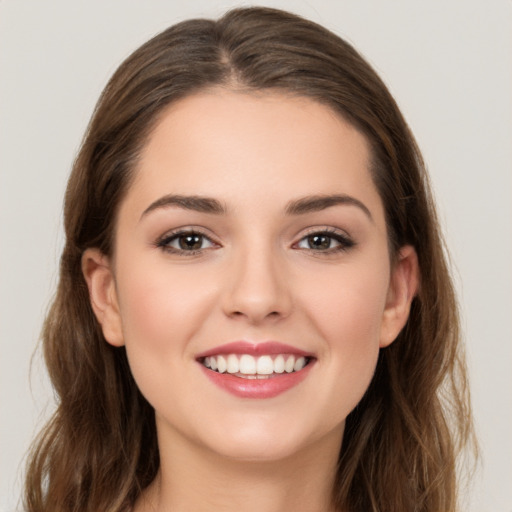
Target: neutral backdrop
[448, 63]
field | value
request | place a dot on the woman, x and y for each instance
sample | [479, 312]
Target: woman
[254, 309]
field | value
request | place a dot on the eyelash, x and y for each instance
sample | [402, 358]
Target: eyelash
[344, 242]
[165, 241]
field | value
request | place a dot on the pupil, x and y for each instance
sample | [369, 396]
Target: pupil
[191, 242]
[319, 242]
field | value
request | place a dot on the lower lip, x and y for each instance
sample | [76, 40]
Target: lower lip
[257, 388]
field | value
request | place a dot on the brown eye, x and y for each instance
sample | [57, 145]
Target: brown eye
[185, 242]
[319, 242]
[190, 242]
[325, 241]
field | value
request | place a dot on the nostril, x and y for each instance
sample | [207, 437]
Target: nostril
[271, 314]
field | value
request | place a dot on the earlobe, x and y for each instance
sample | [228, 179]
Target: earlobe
[99, 277]
[403, 287]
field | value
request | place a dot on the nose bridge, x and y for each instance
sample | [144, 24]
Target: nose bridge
[257, 288]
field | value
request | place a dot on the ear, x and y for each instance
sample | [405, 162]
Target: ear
[98, 274]
[403, 286]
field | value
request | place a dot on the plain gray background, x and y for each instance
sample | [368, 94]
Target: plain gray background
[449, 65]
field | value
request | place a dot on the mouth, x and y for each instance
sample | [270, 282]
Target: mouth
[247, 366]
[262, 370]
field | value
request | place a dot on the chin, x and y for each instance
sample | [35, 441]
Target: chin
[259, 440]
[261, 449]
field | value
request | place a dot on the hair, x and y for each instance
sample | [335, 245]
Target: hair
[401, 443]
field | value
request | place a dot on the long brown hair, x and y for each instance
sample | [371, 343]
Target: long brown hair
[99, 451]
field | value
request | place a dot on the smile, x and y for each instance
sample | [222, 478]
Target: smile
[262, 370]
[247, 366]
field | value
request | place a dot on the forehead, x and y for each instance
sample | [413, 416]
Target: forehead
[242, 147]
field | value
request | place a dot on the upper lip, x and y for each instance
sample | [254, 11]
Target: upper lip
[254, 349]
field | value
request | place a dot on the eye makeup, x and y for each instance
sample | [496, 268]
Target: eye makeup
[193, 241]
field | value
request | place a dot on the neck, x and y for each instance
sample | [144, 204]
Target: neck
[192, 478]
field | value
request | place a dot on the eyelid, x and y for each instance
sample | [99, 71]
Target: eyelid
[162, 241]
[345, 241]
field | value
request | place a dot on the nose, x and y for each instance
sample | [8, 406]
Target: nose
[257, 289]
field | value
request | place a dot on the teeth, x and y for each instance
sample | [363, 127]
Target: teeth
[264, 365]
[233, 366]
[251, 367]
[247, 364]
[279, 364]
[289, 365]
[222, 364]
[299, 364]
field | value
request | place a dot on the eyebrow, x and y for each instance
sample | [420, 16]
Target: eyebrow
[195, 203]
[300, 206]
[321, 202]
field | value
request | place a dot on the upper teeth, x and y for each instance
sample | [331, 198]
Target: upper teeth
[249, 365]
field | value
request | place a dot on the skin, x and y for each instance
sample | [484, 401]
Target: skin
[256, 277]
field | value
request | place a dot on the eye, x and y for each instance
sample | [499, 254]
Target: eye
[325, 241]
[190, 242]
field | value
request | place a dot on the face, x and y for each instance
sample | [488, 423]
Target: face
[251, 282]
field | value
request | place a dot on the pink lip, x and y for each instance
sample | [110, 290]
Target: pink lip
[256, 388]
[254, 349]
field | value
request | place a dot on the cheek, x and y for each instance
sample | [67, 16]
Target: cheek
[349, 317]
[161, 313]
[156, 300]
[350, 306]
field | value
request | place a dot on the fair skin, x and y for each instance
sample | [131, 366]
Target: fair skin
[267, 258]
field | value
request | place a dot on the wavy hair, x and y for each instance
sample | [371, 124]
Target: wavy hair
[399, 451]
